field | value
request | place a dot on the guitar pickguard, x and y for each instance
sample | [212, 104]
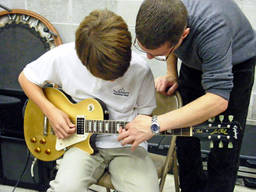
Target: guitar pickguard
[62, 144]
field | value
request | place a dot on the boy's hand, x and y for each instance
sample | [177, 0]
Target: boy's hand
[61, 124]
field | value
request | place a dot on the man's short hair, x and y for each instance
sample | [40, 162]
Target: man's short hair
[160, 21]
[103, 44]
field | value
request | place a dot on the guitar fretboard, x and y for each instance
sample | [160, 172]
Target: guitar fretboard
[112, 127]
[98, 126]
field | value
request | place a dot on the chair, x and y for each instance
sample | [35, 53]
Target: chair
[162, 163]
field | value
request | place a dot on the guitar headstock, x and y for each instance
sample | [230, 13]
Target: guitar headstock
[222, 131]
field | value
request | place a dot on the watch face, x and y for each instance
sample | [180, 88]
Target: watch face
[154, 127]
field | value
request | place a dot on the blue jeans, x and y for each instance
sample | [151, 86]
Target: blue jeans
[222, 163]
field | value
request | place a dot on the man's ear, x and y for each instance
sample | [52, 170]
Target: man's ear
[185, 33]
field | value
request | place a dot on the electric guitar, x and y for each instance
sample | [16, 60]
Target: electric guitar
[90, 117]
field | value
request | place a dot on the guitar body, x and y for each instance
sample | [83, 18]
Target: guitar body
[39, 136]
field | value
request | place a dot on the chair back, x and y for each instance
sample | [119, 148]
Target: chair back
[167, 103]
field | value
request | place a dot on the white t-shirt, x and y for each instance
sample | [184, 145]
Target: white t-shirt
[125, 97]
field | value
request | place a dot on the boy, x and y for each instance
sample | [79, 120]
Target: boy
[99, 64]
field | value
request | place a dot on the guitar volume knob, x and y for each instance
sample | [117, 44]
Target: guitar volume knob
[33, 139]
[48, 151]
[42, 141]
[38, 149]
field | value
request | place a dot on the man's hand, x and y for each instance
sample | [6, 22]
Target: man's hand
[166, 85]
[61, 124]
[136, 131]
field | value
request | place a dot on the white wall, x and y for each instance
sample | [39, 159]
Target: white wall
[65, 15]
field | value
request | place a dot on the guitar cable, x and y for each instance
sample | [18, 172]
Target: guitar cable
[32, 170]
[23, 172]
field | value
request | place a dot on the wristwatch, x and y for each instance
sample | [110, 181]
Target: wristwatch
[155, 127]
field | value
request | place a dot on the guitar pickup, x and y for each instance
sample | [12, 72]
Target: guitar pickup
[80, 124]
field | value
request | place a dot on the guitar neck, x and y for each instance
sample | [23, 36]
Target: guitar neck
[98, 126]
[112, 127]
[180, 132]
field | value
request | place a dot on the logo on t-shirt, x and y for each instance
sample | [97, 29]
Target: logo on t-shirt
[121, 92]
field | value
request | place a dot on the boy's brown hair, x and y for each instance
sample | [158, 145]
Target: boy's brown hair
[103, 44]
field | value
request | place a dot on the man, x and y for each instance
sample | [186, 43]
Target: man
[217, 47]
[99, 64]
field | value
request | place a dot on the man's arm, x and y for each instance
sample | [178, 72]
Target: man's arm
[60, 122]
[198, 111]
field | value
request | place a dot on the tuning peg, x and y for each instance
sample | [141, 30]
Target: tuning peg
[230, 145]
[220, 144]
[211, 144]
[221, 118]
[212, 119]
[230, 118]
